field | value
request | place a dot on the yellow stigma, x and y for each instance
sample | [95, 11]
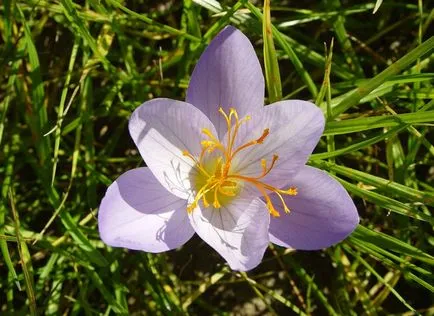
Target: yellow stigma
[215, 183]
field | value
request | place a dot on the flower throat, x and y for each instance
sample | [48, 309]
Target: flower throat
[215, 183]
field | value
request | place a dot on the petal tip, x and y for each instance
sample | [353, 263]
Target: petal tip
[323, 214]
[228, 74]
[228, 30]
[153, 222]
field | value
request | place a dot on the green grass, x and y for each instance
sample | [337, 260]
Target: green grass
[72, 73]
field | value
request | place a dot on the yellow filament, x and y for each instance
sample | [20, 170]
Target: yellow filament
[216, 184]
[260, 140]
[198, 164]
[265, 171]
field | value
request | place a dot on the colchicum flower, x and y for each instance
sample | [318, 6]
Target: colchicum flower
[226, 167]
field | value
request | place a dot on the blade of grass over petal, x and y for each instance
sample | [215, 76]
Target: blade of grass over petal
[271, 64]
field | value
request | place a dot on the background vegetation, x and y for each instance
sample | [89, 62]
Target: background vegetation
[71, 74]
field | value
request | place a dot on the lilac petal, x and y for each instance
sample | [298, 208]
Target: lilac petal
[238, 232]
[228, 74]
[295, 128]
[322, 213]
[138, 213]
[162, 129]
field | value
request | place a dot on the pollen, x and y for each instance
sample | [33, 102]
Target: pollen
[215, 182]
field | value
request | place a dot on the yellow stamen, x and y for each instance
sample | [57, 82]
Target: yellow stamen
[208, 133]
[216, 203]
[205, 201]
[260, 140]
[292, 191]
[216, 184]
[266, 171]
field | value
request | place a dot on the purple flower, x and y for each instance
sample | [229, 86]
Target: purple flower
[227, 168]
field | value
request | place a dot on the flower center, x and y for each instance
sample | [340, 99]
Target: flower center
[215, 182]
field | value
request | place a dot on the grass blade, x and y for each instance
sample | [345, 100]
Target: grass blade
[272, 73]
[397, 67]
[26, 261]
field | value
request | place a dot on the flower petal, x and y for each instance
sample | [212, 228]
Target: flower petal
[238, 232]
[295, 128]
[228, 74]
[162, 129]
[137, 212]
[322, 213]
